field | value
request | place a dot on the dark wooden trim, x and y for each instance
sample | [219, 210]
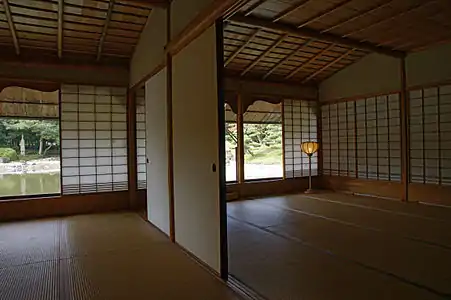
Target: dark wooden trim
[263, 188]
[240, 136]
[60, 27]
[378, 188]
[39, 85]
[131, 150]
[282, 107]
[169, 129]
[319, 132]
[430, 193]
[224, 258]
[429, 85]
[311, 33]
[105, 28]
[405, 148]
[12, 27]
[63, 206]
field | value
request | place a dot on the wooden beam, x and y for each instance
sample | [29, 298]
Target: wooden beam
[287, 58]
[253, 7]
[290, 10]
[259, 59]
[330, 64]
[405, 147]
[295, 71]
[400, 14]
[358, 16]
[240, 137]
[322, 14]
[242, 47]
[311, 33]
[12, 27]
[156, 3]
[169, 129]
[105, 28]
[60, 27]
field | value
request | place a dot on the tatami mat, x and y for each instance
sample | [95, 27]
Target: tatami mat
[334, 246]
[108, 256]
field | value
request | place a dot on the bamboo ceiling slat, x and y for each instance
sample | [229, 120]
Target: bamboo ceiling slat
[75, 26]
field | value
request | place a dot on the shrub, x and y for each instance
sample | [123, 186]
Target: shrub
[9, 153]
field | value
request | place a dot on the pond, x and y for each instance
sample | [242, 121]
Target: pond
[29, 184]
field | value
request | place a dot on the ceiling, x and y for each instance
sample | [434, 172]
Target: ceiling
[309, 40]
[95, 29]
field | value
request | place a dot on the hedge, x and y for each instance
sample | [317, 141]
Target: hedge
[9, 153]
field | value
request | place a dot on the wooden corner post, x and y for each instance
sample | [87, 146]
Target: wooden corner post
[131, 150]
[405, 146]
[240, 133]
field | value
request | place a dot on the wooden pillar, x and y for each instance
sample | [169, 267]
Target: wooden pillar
[319, 137]
[405, 146]
[240, 134]
[131, 150]
[169, 128]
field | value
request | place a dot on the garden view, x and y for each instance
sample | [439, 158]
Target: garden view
[29, 157]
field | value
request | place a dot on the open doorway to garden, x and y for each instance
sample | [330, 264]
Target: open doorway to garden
[29, 143]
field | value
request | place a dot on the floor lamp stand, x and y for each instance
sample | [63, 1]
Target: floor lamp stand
[309, 190]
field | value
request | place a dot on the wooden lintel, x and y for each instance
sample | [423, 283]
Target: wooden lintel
[241, 48]
[330, 64]
[105, 29]
[60, 27]
[287, 58]
[312, 33]
[12, 27]
[263, 55]
[313, 58]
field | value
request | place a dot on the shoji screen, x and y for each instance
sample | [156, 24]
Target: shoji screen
[300, 125]
[93, 139]
[362, 135]
[141, 138]
[430, 149]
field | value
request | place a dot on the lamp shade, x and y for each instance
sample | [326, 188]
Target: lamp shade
[309, 147]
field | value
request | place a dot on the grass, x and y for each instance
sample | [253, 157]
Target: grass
[265, 156]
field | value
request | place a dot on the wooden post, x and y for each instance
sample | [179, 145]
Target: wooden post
[319, 137]
[131, 150]
[240, 133]
[405, 151]
[169, 128]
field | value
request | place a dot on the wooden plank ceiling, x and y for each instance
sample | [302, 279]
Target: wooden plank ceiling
[96, 29]
[309, 40]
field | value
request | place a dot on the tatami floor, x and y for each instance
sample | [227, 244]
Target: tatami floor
[108, 256]
[336, 246]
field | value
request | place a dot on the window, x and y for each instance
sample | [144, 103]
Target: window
[300, 125]
[29, 143]
[141, 139]
[93, 139]
[262, 128]
[231, 143]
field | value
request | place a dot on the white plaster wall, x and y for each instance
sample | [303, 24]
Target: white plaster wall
[149, 51]
[375, 73]
[183, 12]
